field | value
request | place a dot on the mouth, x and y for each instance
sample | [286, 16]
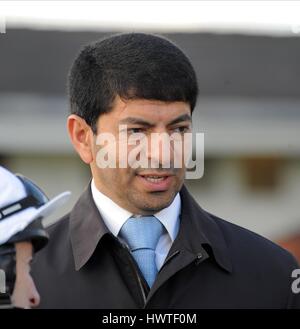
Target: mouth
[154, 182]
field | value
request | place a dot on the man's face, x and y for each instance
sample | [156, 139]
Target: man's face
[25, 294]
[135, 189]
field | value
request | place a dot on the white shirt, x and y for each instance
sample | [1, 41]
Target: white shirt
[114, 217]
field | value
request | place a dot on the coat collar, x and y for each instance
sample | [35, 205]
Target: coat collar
[197, 230]
[86, 228]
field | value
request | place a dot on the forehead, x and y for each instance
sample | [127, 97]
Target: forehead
[152, 110]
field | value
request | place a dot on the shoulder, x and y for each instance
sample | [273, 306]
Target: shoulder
[59, 244]
[252, 245]
[256, 257]
[60, 228]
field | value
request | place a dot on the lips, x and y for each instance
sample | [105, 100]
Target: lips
[155, 181]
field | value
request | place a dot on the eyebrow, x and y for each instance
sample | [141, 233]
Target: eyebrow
[181, 118]
[139, 121]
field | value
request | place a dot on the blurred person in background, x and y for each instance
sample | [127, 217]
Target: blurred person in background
[22, 207]
[136, 237]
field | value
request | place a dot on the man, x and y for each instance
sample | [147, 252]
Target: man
[22, 207]
[136, 238]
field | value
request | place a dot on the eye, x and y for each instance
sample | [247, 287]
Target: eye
[135, 130]
[182, 129]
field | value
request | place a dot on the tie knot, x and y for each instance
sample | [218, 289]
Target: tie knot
[142, 232]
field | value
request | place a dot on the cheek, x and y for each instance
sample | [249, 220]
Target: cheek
[120, 177]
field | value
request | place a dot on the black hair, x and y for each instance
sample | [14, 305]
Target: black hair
[131, 66]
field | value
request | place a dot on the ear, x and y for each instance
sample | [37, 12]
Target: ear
[81, 136]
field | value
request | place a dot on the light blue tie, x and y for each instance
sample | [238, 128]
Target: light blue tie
[142, 235]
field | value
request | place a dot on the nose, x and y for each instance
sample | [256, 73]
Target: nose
[160, 151]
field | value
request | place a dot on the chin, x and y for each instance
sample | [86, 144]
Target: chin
[156, 202]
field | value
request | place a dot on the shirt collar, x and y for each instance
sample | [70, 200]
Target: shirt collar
[115, 216]
[169, 217]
